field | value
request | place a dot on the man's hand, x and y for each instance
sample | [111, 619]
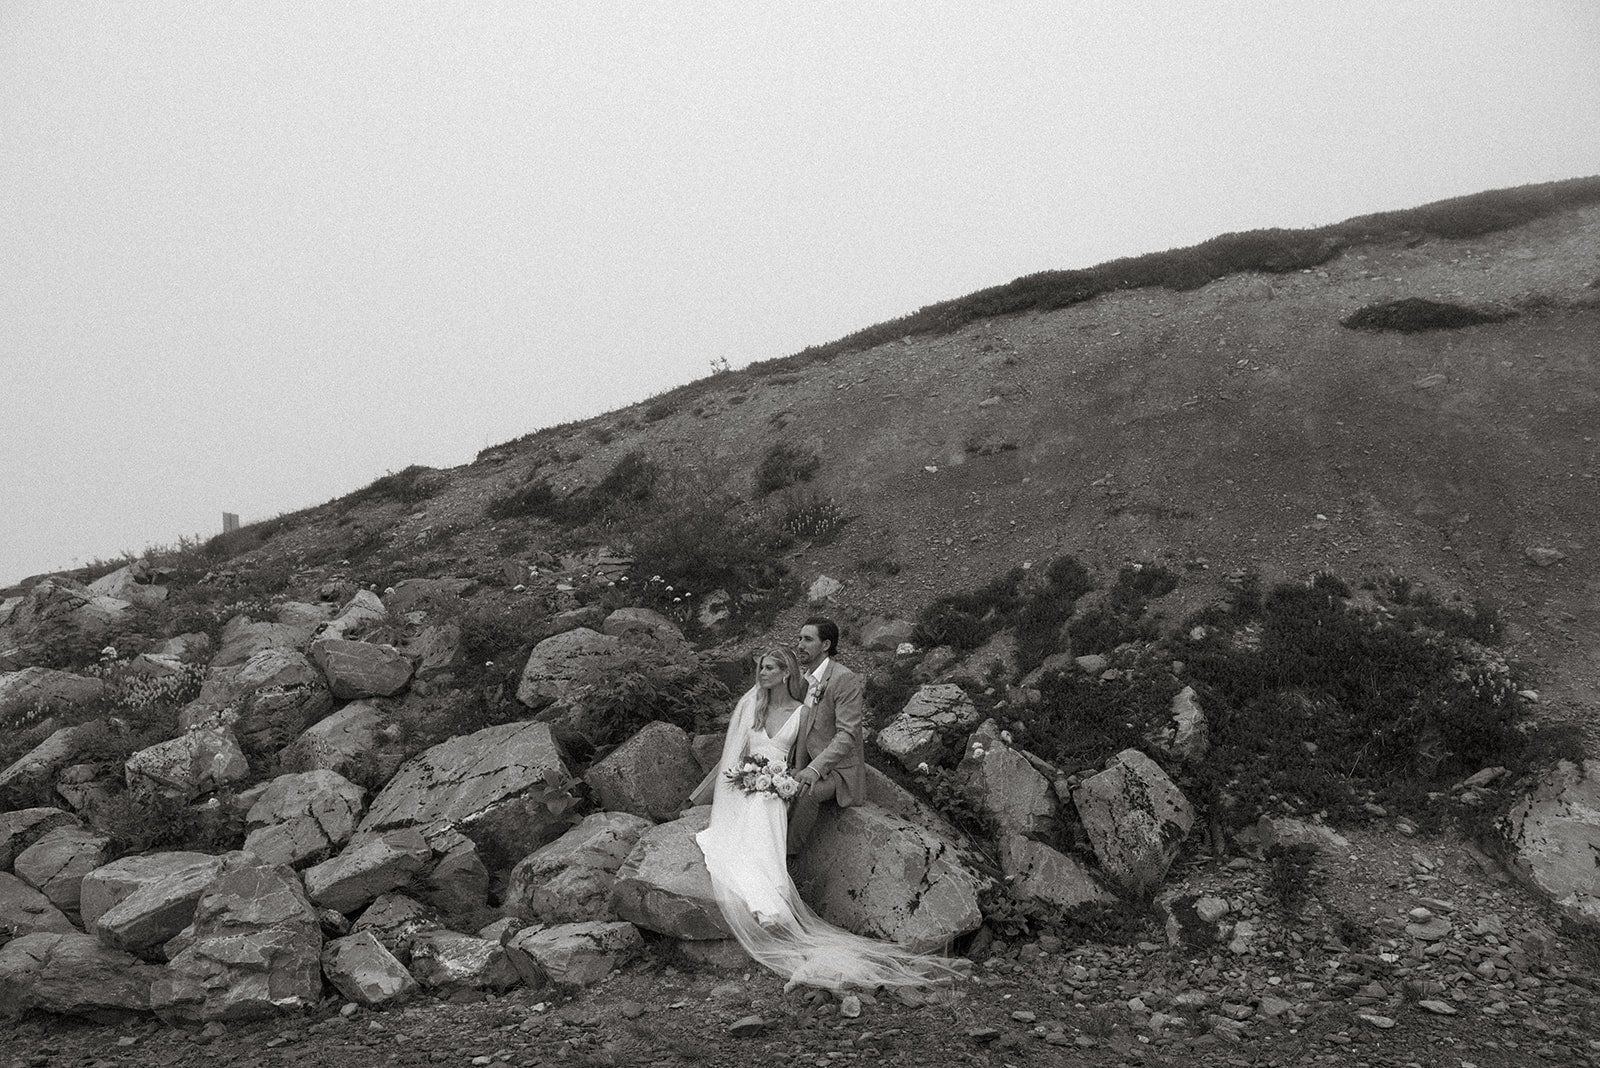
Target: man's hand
[807, 780]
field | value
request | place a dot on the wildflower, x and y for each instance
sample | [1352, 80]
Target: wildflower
[923, 767]
[109, 652]
[488, 663]
[977, 751]
[1005, 736]
[675, 600]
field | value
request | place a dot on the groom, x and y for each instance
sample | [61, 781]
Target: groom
[827, 749]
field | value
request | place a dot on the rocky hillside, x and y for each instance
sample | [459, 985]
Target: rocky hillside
[1228, 623]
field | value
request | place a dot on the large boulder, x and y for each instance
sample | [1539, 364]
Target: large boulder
[646, 628]
[22, 827]
[138, 583]
[189, 765]
[70, 973]
[878, 875]
[886, 634]
[30, 778]
[354, 741]
[572, 954]
[442, 958]
[363, 971]
[1008, 788]
[663, 886]
[44, 690]
[504, 787]
[254, 949]
[304, 817]
[558, 665]
[243, 638]
[138, 902]
[1554, 839]
[570, 880]
[360, 669]
[650, 775]
[265, 701]
[913, 737]
[59, 605]
[24, 910]
[56, 864]
[428, 595]
[896, 800]
[1135, 817]
[375, 865]
[1043, 875]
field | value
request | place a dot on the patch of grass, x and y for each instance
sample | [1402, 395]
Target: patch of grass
[696, 540]
[1292, 875]
[813, 517]
[658, 410]
[147, 820]
[1415, 314]
[784, 465]
[1121, 618]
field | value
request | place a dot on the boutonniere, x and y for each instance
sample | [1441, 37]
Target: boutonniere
[815, 693]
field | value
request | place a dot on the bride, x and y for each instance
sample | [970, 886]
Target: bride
[744, 851]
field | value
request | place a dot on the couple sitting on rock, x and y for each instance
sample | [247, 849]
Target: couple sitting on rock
[794, 742]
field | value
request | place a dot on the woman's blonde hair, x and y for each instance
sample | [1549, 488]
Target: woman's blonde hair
[795, 678]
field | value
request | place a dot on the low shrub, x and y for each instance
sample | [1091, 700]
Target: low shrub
[694, 540]
[784, 465]
[409, 485]
[146, 820]
[1121, 617]
[1293, 876]
[967, 619]
[1414, 314]
[1041, 618]
[616, 702]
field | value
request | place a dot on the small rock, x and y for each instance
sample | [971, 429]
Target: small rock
[850, 1006]
[1438, 1008]
[982, 1035]
[1541, 556]
[1382, 1023]
[747, 1027]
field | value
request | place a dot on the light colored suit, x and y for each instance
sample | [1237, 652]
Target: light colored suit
[829, 739]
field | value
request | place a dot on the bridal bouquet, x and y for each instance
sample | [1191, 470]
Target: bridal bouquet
[758, 775]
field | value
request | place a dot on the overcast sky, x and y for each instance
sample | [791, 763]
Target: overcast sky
[256, 254]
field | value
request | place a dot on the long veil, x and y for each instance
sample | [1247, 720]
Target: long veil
[796, 944]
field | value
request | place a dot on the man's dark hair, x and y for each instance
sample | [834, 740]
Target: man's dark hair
[827, 630]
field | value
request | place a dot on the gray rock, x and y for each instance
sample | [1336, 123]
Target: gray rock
[448, 959]
[31, 776]
[242, 638]
[663, 885]
[650, 775]
[896, 800]
[643, 627]
[360, 669]
[303, 614]
[24, 910]
[724, 956]
[361, 969]
[886, 634]
[559, 664]
[395, 920]
[572, 954]
[341, 742]
[138, 902]
[458, 880]
[364, 612]
[1008, 788]
[22, 827]
[304, 817]
[878, 875]
[433, 648]
[427, 594]
[253, 950]
[44, 690]
[1543, 556]
[374, 866]
[1135, 817]
[56, 864]
[501, 786]
[1554, 839]
[914, 735]
[823, 588]
[69, 973]
[1283, 831]
[570, 880]
[189, 765]
[137, 583]
[1092, 664]
[265, 701]
[1187, 736]
[1044, 875]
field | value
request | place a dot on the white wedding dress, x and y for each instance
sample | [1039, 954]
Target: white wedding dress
[744, 847]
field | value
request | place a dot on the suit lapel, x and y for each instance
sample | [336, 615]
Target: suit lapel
[808, 713]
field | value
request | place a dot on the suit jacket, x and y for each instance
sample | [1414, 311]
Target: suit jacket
[829, 736]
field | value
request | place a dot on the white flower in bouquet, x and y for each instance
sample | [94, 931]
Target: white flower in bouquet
[763, 783]
[778, 767]
[787, 787]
